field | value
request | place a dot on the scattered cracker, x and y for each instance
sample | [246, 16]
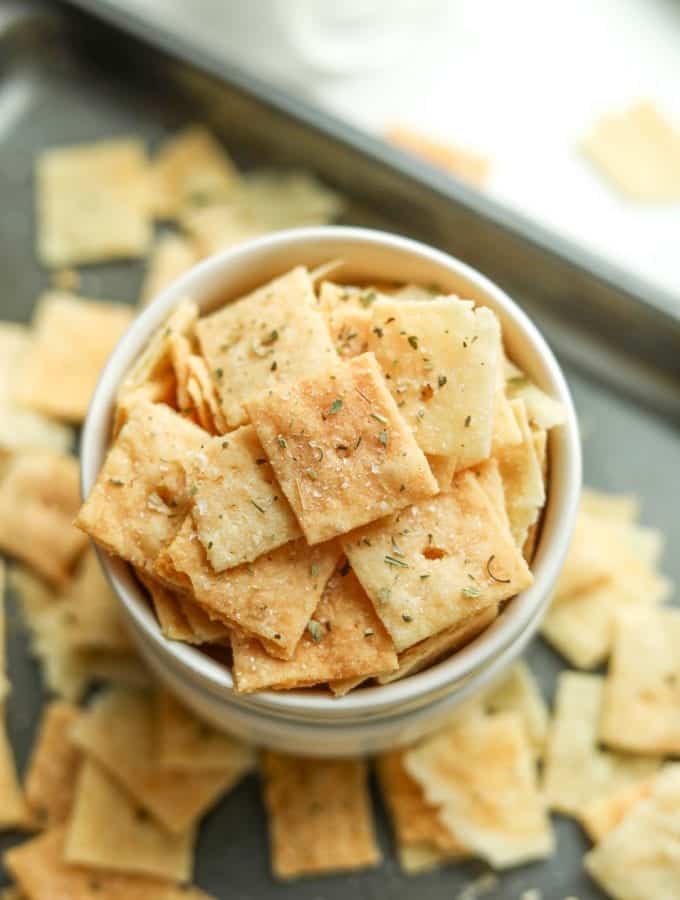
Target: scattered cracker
[271, 598]
[436, 563]
[604, 813]
[53, 766]
[344, 639]
[72, 339]
[522, 479]
[480, 772]
[92, 203]
[443, 468]
[117, 731]
[39, 496]
[489, 477]
[187, 743]
[107, 830]
[171, 256]
[239, 510]
[340, 448]
[137, 503]
[319, 816]
[39, 868]
[440, 358]
[641, 857]
[218, 227]
[14, 812]
[467, 166]
[621, 508]
[190, 168]
[273, 335]
[348, 316]
[519, 693]
[576, 772]
[641, 703]
[638, 151]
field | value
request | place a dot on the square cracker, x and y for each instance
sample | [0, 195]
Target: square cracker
[53, 766]
[436, 563]
[440, 358]
[543, 411]
[202, 398]
[118, 731]
[92, 203]
[179, 618]
[481, 774]
[39, 496]
[39, 868]
[14, 812]
[443, 468]
[273, 335]
[348, 316]
[138, 502]
[344, 639]
[520, 693]
[171, 256]
[640, 858]
[638, 150]
[107, 830]
[239, 510]
[271, 598]
[641, 703]
[576, 772]
[602, 814]
[187, 743]
[319, 815]
[343, 454]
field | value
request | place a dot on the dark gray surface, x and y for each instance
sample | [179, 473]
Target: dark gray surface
[628, 445]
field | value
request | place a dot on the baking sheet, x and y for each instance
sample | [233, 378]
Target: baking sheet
[63, 79]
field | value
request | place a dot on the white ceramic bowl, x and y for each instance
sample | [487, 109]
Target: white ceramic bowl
[373, 718]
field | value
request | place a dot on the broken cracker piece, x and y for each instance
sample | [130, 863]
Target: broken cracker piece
[53, 766]
[522, 478]
[171, 256]
[602, 814]
[520, 693]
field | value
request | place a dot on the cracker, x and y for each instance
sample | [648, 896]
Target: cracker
[506, 431]
[34, 595]
[39, 497]
[4, 683]
[440, 358]
[171, 256]
[522, 479]
[641, 704]
[239, 510]
[443, 468]
[117, 731]
[436, 563]
[543, 411]
[445, 642]
[218, 227]
[39, 868]
[139, 499]
[187, 743]
[202, 396]
[641, 857]
[638, 152]
[21, 429]
[13, 810]
[72, 339]
[92, 203]
[205, 630]
[469, 167]
[272, 336]
[489, 477]
[344, 639]
[576, 771]
[588, 563]
[271, 598]
[319, 815]
[190, 168]
[348, 316]
[107, 830]
[415, 822]
[53, 766]
[169, 613]
[480, 772]
[621, 508]
[520, 693]
[340, 448]
[603, 814]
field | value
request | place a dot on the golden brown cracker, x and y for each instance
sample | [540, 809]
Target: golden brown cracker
[522, 478]
[348, 316]
[53, 766]
[14, 812]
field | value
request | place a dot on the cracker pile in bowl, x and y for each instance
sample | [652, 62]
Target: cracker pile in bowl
[327, 483]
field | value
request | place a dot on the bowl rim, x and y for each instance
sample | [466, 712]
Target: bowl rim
[327, 242]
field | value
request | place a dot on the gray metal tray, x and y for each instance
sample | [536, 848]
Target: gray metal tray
[66, 76]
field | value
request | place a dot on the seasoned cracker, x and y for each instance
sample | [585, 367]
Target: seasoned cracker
[169, 613]
[14, 812]
[489, 477]
[272, 336]
[520, 693]
[107, 830]
[171, 256]
[238, 508]
[506, 431]
[4, 683]
[187, 743]
[218, 227]
[576, 771]
[92, 203]
[640, 859]
[39, 496]
[522, 478]
[141, 494]
[348, 316]
[641, 702]
[53, 766]
[480, 772]
[433, 565]
[602, 814]
[202, 396]
[319, 814]
[440, 358]
[271, 598]
[443, 468]
[344, 639]
[343, 454]
[543, 411]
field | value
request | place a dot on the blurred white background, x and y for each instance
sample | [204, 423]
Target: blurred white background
[518, 82]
